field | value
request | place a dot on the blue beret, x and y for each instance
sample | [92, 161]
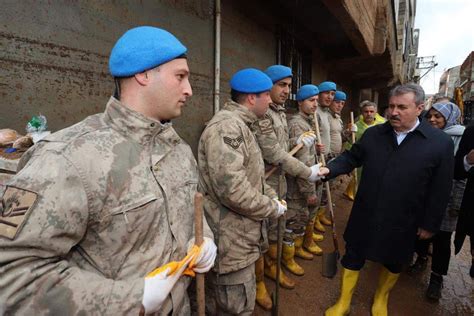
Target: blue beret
[339, 96]
[306, 91]
[278, 72]
[327, 86]
[143, 48]
[250, 80]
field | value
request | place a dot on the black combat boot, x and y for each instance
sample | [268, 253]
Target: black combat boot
[434, 288]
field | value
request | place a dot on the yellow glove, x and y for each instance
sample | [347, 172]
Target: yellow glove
[176, 265]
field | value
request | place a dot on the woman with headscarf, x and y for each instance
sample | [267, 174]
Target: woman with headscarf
[445, 116]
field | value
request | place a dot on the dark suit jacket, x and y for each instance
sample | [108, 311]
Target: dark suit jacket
[402, 187]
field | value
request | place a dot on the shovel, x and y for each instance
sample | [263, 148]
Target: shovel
[280, 229]
[329, 267]
[198, 240]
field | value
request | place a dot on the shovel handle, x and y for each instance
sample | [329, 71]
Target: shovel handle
[328, 191]
[199, 239]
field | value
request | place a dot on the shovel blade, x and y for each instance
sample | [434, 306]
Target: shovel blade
[329, 266]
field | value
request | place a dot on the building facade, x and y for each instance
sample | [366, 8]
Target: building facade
[54, 56]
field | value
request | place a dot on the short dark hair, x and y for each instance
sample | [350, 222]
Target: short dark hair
[416, 89]
[239, 97]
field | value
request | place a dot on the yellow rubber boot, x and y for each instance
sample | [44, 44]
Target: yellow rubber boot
[318, 237]
[322, 217]
[350, 190]
[387, 280]
[343, 304]
[263, 298]
[300, 251]
[308, 242]
[288, 259]
[317, 224]
[271, 268]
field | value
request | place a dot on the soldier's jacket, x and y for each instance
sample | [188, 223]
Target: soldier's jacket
[237, 199]
[336, 133]
[272, 137]
[299, 188]
[324, 117]
[108, 200]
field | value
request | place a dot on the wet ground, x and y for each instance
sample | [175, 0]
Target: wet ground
[314, 293]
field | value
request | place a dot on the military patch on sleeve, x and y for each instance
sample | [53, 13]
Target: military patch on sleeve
[15, 207]
[265, 126]
[234, 142]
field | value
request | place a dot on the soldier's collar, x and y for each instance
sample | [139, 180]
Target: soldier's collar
[334, 114]
[245, 114]
[131, 123]
[306, 116]
[277, 107]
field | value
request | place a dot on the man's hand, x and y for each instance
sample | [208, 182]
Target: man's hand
[314, 176]
[281, 207]
[205, 258]
[320, 148]
[312, 200]
[160, 282]
[307, 138]
[424, 234]
[470, 157]
[323, 171]
[353, 128]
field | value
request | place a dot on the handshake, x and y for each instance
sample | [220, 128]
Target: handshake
[318, 173]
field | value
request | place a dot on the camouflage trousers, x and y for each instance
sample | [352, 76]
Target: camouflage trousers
[298, 216]
[231, 293]
[273, 222]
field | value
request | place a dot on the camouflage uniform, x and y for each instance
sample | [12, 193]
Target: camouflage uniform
[324, 118]
[272, 136]
[108, 200]
[324, 127]
[232, 179]
[300, 189]
[336, 132]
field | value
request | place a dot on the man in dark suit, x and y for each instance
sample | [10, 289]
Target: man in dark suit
[403, 193]
[465, 169]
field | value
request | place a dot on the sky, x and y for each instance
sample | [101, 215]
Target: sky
[446, 31]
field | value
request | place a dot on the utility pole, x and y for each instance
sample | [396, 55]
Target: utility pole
[425, 62]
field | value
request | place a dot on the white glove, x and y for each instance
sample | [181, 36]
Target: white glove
[206, 257]
[354, 128]
[281, 210]
[159, 285]
[307, 138]
[314, 173]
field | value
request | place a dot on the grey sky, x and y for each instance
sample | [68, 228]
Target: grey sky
[446, 31]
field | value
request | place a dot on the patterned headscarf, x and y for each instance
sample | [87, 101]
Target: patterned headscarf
[449, 111]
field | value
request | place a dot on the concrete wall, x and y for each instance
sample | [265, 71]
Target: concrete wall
[54, 55]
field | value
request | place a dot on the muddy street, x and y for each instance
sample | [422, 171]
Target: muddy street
[314, 293]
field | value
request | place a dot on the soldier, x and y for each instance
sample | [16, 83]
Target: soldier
[97, 206]
[327, 91]
[237, 198]
[302, 200]
[337, 133]
[272, 137]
